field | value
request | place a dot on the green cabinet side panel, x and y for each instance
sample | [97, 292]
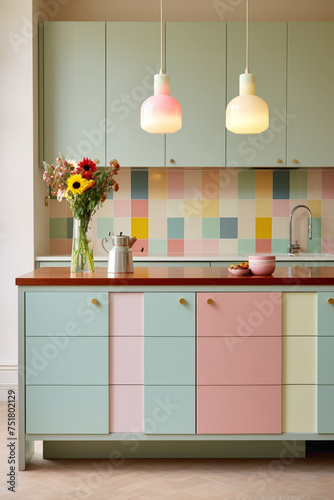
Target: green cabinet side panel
[169, 361]
[74, 90]
[325, 315]
[267, 58]
[169, 410]
[67, 361]
[133, 57]
[196, 63]
[310, 94]
[164, 316]
[66, 314]
[67, 410]
[326, 360]
[326, 409]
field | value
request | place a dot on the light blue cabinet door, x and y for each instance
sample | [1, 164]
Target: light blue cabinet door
[67, 361]
[169, 410]
[325, 314]
[325, 360]
[169, 361]
[67, 410]
[66, 314]
[133, 58]
[267, 59]
[326, 409]
[165, 316]
[196, 63]
[310, 94]
[74, 90]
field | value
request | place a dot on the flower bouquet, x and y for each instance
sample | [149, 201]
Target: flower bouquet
[85, 189]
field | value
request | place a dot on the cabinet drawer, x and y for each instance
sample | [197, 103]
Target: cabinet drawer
[165, 316]
[169, 409]
[69, 314]
[239, 410]
[170, 361]
[299, 408]
[242, 361]
[300, 360]
[67, 361]
[126, 314]
[299, 314]
[67, 409]
[325, 314]
[126, 360]
[325, 360]
[126, 412]
[239, 314]
[326, 409]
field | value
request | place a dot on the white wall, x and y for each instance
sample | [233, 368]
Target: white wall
[16, 168]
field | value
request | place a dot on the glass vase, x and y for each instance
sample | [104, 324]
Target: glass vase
[82, 258]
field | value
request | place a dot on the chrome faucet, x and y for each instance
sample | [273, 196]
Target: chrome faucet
[292, 247]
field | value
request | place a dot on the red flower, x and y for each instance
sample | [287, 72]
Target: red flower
[86, 168]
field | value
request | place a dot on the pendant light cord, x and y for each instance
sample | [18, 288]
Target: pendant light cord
[161, 40]
[247, 45]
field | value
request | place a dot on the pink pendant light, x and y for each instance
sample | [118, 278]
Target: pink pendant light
[161, 113]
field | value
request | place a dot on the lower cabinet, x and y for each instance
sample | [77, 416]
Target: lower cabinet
[325, 363]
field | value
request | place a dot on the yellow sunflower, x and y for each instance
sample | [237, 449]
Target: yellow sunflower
[76, 184]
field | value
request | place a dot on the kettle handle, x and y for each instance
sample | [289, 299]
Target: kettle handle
[104, 248]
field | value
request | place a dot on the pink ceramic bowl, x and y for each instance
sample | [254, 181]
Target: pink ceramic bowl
[262, 265]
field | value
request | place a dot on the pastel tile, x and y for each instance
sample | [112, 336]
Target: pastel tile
[211, 228]
[263, 208]
[246, 208]
[264, 184]
[107, 210]
[140, 247]
[316, 227]
[104, 227]
[122, 208]
[192, 184]
[228, 227]
[314, 184]
[139, 208]
[58, 228]
[139, 185]
[327, 184]
[139, 227]
[263, 246]
[228, 208]
[175, 247]
[315, 207]
[280, 246]
[157, 208]
[110, 194]
[327, 228]
[280, 227]
[281, 185]
[246, 184]
[228, 183]
[281, 208]
[246, 228]
[123, 224]
[158, 228]
[193, 247]
[175, 208]
[263, 228]
[246, 246]
[157, 247]
[314, 245]
[298, 184]
[300, 212]
[210, 208]
[327, 245]
[69, 227]
[175, 184]
[57, 209]
[175, 228]
[124, 180]
[210, 184]
[59, 246]
[210, 247]
[157, 184]
[193, 228]
[228, 246]
[193, 208]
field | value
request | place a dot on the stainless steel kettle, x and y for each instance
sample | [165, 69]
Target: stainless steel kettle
[120, 254]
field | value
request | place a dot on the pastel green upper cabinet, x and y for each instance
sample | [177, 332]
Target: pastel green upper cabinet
[267, 60]
[196, 63]
[310, 94]
[74, 90]
[133, 57]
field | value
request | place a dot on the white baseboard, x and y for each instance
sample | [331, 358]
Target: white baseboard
[8, 378]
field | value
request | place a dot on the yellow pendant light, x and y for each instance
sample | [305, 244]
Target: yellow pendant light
[247, 113]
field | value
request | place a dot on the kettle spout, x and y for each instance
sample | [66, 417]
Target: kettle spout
[132, 241]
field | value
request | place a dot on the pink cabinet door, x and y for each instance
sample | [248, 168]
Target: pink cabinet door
[239, 410]
[239, 314]
[126, 314]
[238, 361]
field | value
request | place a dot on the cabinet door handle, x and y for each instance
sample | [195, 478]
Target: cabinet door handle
[331, 301]
[295, 160]
[210, 301]
[279, 160]
[182, 301]
[94, 301]
[171, 160]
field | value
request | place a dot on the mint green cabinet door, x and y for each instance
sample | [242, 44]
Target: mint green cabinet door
[74, 90]
[169, 361]
[267, 60]
[66, 314]
[310, 94]
[325, 314]
[133, 58]
[169, 409]
[325, 360]
[196, 63]
[67, 361]
[67, 410]
[165, 316]
[326, 409]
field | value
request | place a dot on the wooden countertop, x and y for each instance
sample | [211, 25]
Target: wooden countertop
[173, 276]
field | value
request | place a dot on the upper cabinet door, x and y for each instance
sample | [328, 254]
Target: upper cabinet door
[310, 94]
[267, 60]
[74, 90]
[196, 63]
[133, 58]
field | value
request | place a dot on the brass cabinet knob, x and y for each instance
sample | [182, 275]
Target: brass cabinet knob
[94, 301]
[171, 160]
[279, 160]
[182, 301]
[331, 301]
[210, 301]
[295, 160]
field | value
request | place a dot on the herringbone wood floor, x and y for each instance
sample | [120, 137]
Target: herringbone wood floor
[187, 479]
